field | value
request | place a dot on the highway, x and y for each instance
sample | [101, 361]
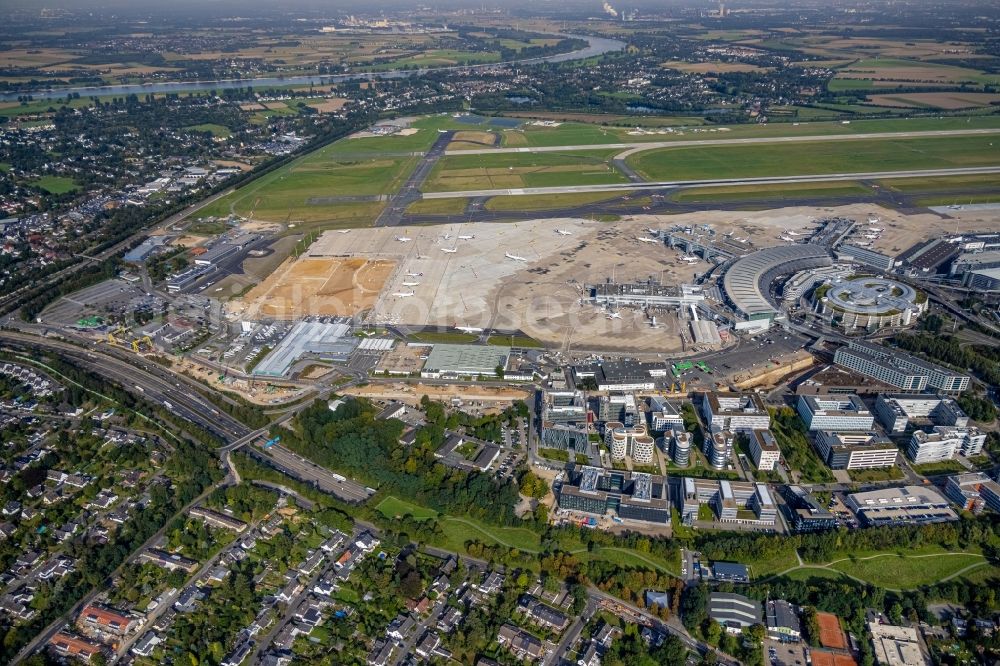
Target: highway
[632, 147]
[719, 182]
[154, 383]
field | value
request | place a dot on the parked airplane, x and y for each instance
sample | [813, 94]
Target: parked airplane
[466, 237]
[652, 231]
[343, 231]
[403, 239]
[469, 329]
[688, 259]
[786, 239]
[644, 239]
[876, 230]
[563, 232]
[513, 256]
[414, 274]
[871, 236]
[403, 294]
[614, 315]
[794, 233]
[449, 250]
[446, 236]
[411, 284]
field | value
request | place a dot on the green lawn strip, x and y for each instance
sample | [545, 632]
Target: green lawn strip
[771, 192]
[443, 337]
[513, 341]
[437, 207]
[893, 571]
[818, 157]
[545, 202]
[989, 182]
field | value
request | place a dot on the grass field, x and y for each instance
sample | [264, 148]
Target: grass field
[392, 507]
[516, 170]
[55, 184]
[819, 157]
[895, 572]
[544, 202]
[570, 134]
[437, 207]
[443, 337]
[770, 192]
[459, 531]
[219, 131]
[305, 189]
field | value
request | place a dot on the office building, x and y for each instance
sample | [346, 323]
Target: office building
[564, 407]
[565, 437]
[898, 368]
[805, 512]
[764, 450]
[719, 449]
[630, 495]
[944, 443]
[620, 407]
[735, 412]
[733, 611]
[628, 442]
[908, 504]
[680, 448]
[973, 492]
[664, 415]
[897, 411]
[856, 450]
[835, 413]
[732, 501]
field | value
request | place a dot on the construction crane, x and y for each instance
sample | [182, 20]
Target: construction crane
[116, 336]
[144, 340]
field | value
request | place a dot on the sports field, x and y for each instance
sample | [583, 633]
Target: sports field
[762, 160]
[515, 170]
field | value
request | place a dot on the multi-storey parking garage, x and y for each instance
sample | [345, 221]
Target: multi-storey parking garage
[748, 280]
[869, 302]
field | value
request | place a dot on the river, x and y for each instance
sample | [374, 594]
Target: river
[595, 46]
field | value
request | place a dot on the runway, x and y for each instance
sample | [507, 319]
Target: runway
[637, 146]
[721, 182]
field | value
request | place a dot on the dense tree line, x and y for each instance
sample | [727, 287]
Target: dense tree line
[946, 349]
[349, 439]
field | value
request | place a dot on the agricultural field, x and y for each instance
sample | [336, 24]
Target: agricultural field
[883, 72]
[517, 170]
[935, 100]
[762, 160]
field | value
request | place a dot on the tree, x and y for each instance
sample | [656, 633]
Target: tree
[499, 371]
